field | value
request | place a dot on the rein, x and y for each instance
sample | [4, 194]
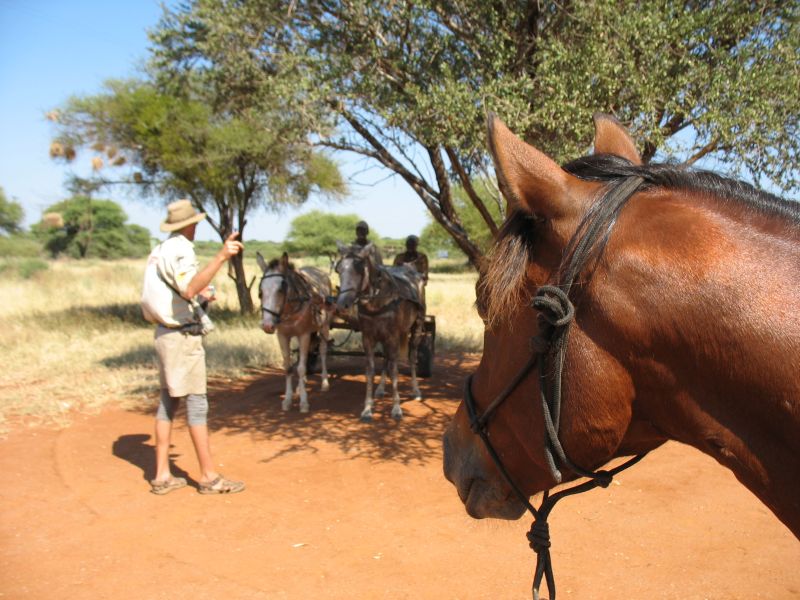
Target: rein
[556, 314]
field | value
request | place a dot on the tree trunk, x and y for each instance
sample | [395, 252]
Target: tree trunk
[242, 289]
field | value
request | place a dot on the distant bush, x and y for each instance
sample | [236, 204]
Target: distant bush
[28, 267]
[20, 245]
[316, 233]
[24, 268]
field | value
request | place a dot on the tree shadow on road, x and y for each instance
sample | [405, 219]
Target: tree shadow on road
[252, 406]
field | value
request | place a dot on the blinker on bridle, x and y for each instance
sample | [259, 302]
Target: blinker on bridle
[556, 313]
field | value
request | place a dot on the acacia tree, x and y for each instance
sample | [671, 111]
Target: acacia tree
[410, 81]
[187, 138]
[11, 214]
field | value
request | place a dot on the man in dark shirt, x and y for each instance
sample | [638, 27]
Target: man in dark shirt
[413, 258]
[362, 231]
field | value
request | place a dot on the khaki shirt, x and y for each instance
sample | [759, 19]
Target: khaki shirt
[177, 264]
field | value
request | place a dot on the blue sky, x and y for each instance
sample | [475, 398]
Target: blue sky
[52, 49]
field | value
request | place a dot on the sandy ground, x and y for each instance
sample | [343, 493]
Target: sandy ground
[338, 509]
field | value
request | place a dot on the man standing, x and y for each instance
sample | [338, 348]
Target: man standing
[172, 281]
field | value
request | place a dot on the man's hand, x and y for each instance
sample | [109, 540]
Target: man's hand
[231, 247]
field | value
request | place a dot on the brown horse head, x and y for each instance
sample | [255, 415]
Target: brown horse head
[667, 341]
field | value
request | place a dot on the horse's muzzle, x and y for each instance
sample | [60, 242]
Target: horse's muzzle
[479, 487]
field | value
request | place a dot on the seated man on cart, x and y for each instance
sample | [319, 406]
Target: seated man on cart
[416, 260]
[362, 231]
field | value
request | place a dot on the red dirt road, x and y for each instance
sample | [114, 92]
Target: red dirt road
[338, 509]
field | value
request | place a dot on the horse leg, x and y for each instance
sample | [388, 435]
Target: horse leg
[305, 342]
[369, 350]
[323, 356]
[414, 347]
[397, 412]
[286, 351]
[380, 390]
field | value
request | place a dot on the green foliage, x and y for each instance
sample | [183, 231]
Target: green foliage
[410, 82]
[11, 214]
[20, 245]
[28, 267]
[228, 146]
[21, 267]
[92, 228]
[316, 233]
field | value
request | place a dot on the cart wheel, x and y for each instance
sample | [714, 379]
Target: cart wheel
[425, 352]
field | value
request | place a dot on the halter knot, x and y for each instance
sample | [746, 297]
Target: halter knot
[553, 305]
[539, 535]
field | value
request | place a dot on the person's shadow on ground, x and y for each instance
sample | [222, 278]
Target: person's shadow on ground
[133, 449]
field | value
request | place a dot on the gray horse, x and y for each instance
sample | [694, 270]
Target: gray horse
[293, 305]
[389, 313]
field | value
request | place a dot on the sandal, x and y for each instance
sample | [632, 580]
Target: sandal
[220, 486]
[166, 486]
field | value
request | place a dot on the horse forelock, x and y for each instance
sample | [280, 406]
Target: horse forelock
[502, 286]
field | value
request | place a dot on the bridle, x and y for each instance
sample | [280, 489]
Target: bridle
[360, 264]
[556, 314]
[371, 279]
[285, 287]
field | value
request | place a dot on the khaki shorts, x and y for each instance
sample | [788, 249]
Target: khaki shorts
[181, 362]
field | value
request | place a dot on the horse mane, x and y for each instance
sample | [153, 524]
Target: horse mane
[275, 263]
[502, 287]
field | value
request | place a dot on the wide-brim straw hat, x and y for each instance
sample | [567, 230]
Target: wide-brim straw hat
[180, 214]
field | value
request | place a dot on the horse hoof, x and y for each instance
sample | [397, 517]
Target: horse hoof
[397, 414]
[286, 405]
[418, 397]
[366, 418]
[326, 386]
[304, 408]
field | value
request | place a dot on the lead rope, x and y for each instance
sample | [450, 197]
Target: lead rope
[556, 312]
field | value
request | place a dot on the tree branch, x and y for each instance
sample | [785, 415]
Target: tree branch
[466, 184]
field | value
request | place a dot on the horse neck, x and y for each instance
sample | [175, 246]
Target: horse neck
[711, 340]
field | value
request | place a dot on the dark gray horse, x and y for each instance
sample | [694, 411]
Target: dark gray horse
[293, 305]
[389, 313]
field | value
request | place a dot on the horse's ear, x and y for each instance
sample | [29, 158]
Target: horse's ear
[366, 251]
[284, 263]
[531, 181]
[261, 262]
[611, 137]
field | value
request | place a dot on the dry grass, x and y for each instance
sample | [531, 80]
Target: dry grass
[72, 337]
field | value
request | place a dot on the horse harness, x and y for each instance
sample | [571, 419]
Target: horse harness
[556, 313]
[363, 295]
[287, 287]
